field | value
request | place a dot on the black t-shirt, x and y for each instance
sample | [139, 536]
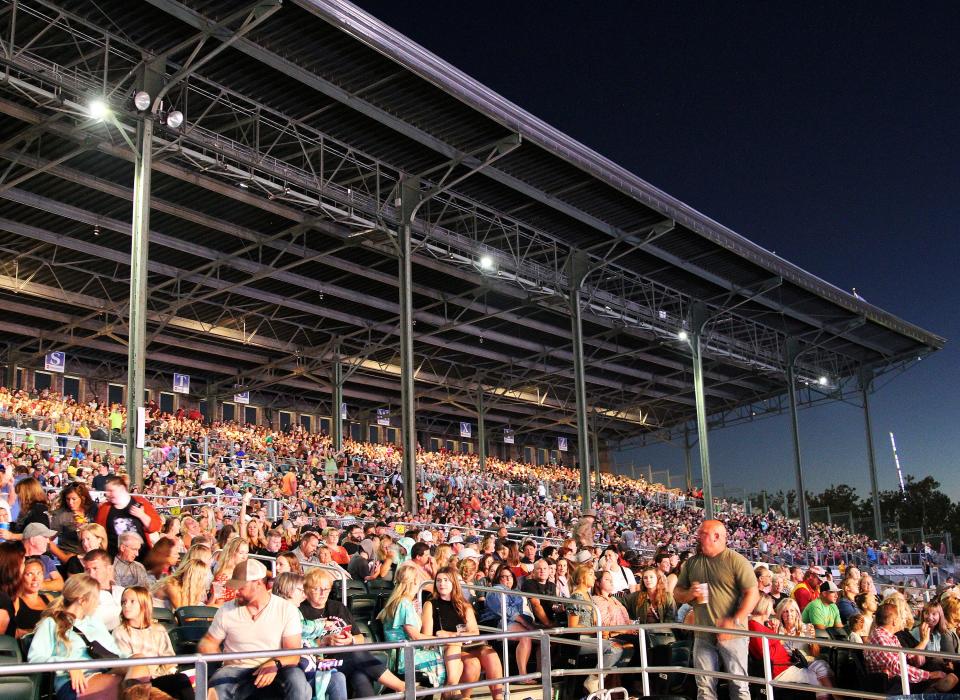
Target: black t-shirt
[333, 609]
[537, 588]
[6, 603]
[351, 546]
[100, 482]
[119, 521]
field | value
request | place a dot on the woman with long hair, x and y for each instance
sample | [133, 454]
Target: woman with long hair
[287, 562]
[162, 558]
[448, 614]
[505, 610]
[402, 623]
[234, 552]
[62, 635]
[75, 509]
[562, 578]
[387, 556]
[33, 507]
[780, 657]
[792, 625]
[253, 534]
[654, 602]
[11, 572]
[30, 602]
[582, 613]
[139, 635]
[92, 536]
[188, 585]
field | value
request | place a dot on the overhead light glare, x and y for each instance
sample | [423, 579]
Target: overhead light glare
[98, 109]
[486, 262]
[823, 381]
[683, 336]
[175, 119]
[142, 100]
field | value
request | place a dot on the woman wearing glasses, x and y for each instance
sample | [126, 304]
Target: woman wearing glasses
[503, 610]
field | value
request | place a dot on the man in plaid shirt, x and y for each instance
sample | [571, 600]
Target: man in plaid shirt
[884, 634]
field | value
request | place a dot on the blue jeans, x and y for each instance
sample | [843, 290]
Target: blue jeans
[708, 654]
[235, 683]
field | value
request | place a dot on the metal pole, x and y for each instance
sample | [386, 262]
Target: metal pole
[866, 380]
[688, 457]
[481, 429]
[137, 334]
[577, 269]
[792, 352]
[409, 197]
[596, 453]
[336, 418]
[699, 320]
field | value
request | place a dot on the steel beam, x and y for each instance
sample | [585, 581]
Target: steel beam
[866, 383]
[481, 429]
[697, 321]
[336, 417]
[577, 268]
[687, 458]
[409, 200]
[792, 351]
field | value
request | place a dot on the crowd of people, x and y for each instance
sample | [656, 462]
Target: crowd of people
[85, 562]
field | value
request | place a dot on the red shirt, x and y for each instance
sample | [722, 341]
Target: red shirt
[779, 656]
[803, 595]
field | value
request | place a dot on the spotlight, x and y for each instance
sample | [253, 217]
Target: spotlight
[486, 262]
[683, 336]
[822, 381]
[175, 119]
[98, 109]
[142, 101]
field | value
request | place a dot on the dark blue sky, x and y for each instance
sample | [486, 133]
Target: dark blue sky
[828, 134]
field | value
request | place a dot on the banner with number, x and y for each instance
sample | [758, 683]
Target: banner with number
[55, 361]
[508, 436]
[466, 430]
[243, 397]
[383, 416]
[181, 383]
[562, 444]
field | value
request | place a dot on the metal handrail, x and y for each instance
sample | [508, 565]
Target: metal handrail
[341, 575]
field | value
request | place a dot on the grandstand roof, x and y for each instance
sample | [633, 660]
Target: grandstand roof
[274, 217]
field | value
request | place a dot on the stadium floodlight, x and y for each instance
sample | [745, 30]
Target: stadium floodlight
[142, 100]
[683, 336]
[823, 381]
[486, 262]
[98, 109]
[174, 119]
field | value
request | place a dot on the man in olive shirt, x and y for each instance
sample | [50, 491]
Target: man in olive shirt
[721, 586]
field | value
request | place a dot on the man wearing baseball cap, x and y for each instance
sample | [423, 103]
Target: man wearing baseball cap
[822, 612]
[809, 588]
[256, 620]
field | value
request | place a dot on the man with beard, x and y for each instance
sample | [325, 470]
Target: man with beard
[256, 620]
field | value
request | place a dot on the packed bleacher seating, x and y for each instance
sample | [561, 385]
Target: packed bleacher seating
[237, 516]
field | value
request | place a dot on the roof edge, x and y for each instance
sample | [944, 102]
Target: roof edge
[430, 67]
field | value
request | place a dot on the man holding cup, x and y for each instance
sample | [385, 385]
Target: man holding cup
[722, 588]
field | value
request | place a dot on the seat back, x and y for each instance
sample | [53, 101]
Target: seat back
[10, 652]
[194, 615]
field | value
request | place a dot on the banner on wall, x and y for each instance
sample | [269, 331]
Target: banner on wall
[343, 411]
[383, 416]
[562, 444]
[181, 383]
[243, 397]
[466, 430]
[55, 361]
[508, 436]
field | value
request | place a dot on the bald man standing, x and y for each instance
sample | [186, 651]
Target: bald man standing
[721, 586]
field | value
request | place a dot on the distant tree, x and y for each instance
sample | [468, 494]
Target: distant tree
[838, 498]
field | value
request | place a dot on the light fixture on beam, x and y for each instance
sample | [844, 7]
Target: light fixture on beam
[683, 336]
[98, 109]
[823, 380]
[174, 119]
[142, 100]
[486, 263]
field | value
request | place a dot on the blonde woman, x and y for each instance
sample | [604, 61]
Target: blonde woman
[92, 536]
[188, 585]
[402, 623]
[792, 625]
[235, 550]
[60, 636]
[387, 556]
[442, 556]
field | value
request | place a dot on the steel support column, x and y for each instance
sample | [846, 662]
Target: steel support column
[866, 382]
[137, 333]
[595, 454]
[10, 376]
[481, 429]
[577, 267]
[336, 417]
[687, 457]
[409, 198]
[793, 350]
[697, 322]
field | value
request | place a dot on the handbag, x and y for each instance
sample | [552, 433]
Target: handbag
[798, 659]
[96, 649]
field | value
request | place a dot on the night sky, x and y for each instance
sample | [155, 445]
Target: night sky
[829, 135]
